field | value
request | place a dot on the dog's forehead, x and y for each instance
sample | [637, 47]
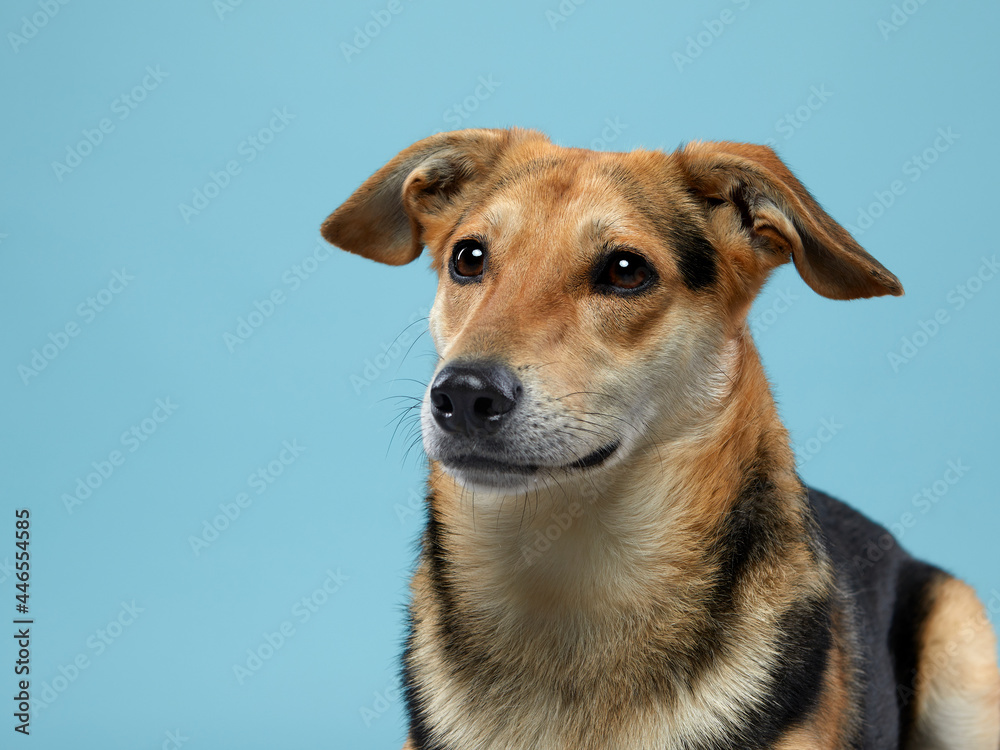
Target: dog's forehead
[563, 172]
[552, 195]
[568, 195]
[554, 189]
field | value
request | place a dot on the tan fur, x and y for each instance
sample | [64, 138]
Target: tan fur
[957, 686]
[675, 379]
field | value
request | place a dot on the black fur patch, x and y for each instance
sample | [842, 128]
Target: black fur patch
[697, 260]
[913, 604]
[890, 590]
[463, 656]
[450, 629]
[419, 729]
[752, 534]
[438, 564]
[696, 257]
[796, 680]
[739, 197]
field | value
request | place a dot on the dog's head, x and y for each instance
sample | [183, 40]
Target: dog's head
[588, 303]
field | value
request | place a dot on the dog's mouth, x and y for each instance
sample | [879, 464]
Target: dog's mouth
[493, 471]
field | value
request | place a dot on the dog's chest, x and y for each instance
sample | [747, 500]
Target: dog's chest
[531, 717]
[604, 701]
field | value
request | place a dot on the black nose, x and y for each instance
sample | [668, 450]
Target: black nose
[474, 398]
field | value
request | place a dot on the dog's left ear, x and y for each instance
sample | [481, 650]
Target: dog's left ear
[386, 218]
[780, 217]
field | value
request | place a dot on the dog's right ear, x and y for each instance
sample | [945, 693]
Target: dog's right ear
[385, 218]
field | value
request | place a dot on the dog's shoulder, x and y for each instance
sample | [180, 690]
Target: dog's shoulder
[870, 559]
[915, 626]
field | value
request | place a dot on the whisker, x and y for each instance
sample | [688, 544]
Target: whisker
[406, 353]
[408, 327]
[421, 383]
[524, 507]
[600, 414]
[399, 422]
[416, 440]
[398, 396]
[401, 414]
[499, 511]
[595, 424]
[473, 493]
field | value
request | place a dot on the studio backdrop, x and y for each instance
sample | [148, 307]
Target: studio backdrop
[201, 445]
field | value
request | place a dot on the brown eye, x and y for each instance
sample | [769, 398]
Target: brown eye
[468, 260]
[624, 271]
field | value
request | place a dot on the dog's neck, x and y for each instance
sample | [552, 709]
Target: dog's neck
[615, 521]
[662, 557]
[596, 548]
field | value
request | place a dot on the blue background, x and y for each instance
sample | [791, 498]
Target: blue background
[344, 504]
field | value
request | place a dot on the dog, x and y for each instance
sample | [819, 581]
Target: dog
[619, 553]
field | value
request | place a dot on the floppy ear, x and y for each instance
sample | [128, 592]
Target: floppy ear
[385, 218]
[780, 217]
